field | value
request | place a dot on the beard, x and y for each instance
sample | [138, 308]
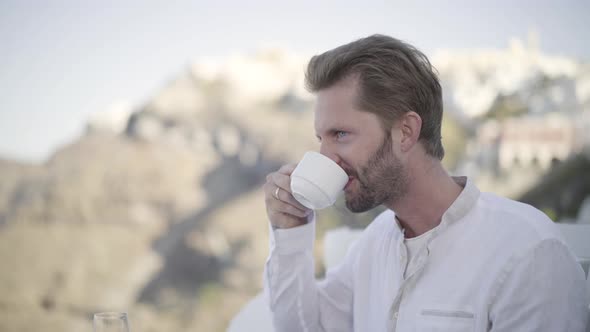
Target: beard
[382, 179]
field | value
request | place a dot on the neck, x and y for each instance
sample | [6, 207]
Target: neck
[431, 191]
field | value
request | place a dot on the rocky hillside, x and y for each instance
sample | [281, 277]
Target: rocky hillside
[158, 210]
[161, 215]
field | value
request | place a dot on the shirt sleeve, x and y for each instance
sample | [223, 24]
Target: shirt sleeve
[297, 301]
[542, 290]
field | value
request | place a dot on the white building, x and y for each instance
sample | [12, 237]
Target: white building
[536, 141]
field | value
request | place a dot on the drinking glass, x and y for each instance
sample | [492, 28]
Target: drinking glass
[111, 322]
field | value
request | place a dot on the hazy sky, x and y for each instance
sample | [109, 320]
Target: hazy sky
[61, 61]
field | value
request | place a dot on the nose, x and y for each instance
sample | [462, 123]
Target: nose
[330, 153]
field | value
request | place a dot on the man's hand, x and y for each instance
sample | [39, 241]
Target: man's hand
[282, 208]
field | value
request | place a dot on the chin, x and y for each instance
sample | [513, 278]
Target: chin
[357, 207]
[358, 202]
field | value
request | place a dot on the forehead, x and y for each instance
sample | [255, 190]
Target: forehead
[336, 108]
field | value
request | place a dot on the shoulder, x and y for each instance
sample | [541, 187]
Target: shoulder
[521, 222]
[513, 232]
[384, 222]
[380, 229]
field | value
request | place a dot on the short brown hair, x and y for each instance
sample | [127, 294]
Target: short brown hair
[394, 78]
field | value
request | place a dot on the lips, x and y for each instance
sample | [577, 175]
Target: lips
[351, 176]
[350, 179]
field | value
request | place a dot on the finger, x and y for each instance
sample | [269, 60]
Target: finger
[287, 197]
[274, 197]
[287, 169]
[271, 194]
[277, 179]
[284, 182]
[282, 207]
[281, 180]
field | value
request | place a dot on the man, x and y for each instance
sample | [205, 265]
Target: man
[443, 257]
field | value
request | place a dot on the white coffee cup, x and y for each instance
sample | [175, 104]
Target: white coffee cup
[317, 181]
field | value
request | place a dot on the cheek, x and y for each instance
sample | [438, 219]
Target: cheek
[347, 166]
[353, 158]
[351, 167]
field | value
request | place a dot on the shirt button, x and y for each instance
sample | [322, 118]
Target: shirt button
[395, 315]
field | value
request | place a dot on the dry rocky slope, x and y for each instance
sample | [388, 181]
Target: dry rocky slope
[162, 217]
[161, 214]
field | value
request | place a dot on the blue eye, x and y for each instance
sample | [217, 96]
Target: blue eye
[341, 134]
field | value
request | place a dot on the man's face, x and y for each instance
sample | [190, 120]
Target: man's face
[356, 141]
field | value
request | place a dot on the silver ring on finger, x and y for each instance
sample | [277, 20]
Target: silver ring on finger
[277, 193]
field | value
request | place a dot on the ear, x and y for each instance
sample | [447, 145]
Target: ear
[410, 126]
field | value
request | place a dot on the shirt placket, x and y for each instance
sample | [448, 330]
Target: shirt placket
[409, 281]
[455, 212]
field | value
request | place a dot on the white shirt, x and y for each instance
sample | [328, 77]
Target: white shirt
[412, 246]
[492, 264]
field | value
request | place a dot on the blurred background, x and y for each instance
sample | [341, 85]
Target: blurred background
[135, 137]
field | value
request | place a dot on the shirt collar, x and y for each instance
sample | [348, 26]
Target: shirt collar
[459, 208]
[464, 202]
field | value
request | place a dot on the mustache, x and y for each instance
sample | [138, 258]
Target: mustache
[350, 171]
